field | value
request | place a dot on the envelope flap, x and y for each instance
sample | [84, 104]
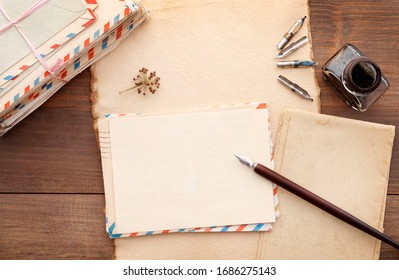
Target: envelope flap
[71, 6]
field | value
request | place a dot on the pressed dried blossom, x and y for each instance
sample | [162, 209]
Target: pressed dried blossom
[145, 81]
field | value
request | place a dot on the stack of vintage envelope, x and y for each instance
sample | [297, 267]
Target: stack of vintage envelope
[46, 43]
[184, 194]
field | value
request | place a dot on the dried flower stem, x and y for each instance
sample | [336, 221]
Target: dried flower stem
[126, 90]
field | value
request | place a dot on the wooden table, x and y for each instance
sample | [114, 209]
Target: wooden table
[51, 190]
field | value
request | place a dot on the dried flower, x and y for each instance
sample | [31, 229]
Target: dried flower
[144, 81]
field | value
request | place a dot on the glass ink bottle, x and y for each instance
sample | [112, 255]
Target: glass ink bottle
[356, 78]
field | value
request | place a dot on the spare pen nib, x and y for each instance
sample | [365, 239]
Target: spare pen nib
[294, 87]
[246, 161]
[293, 47]
[293, 30]
[295, 63]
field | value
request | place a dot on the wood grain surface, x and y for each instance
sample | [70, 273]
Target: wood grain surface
[54, 150]
[51, 190]
[373, 27]
[53, 226]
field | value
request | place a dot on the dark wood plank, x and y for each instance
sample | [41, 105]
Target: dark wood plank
[372, 27]
[391, 225]
[369, 25]
[53, 226]
[54, 149]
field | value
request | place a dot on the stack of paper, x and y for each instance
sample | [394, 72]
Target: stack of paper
[207, 53]
[182, 176]
[66, 35]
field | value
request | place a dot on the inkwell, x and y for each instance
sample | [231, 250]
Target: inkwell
[357, 79]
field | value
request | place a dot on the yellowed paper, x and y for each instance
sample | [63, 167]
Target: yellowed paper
[178, 170]
[342, 160]
[207, 53]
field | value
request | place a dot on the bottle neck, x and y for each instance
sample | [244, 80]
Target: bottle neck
[362, 75]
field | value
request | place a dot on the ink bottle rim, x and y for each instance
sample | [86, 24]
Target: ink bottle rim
[350, 81]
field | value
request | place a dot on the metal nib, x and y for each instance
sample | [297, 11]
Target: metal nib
[307, 63]
[295, 63]
[294, 87]
[293, 30]
[246, 161]
[293, 47]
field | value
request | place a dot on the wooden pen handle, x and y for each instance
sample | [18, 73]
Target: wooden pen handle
[322, 204]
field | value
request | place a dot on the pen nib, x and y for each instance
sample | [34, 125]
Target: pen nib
[246, 161]
[307, 63]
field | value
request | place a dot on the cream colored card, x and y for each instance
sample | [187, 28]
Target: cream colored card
[344, 161]
[178, 170]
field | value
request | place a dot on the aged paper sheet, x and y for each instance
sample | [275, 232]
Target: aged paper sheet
[344, 161]
[207, 53]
